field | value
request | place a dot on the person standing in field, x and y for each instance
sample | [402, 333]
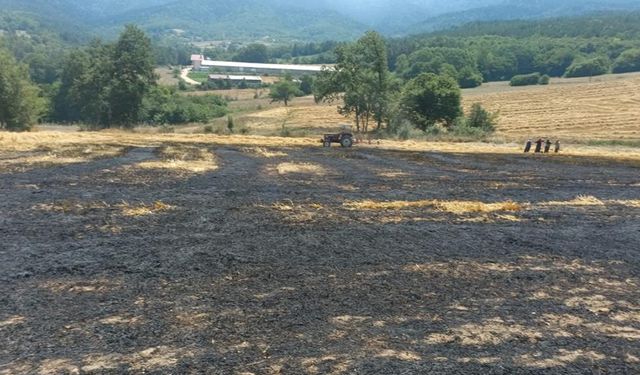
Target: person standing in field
[557, 148]
[547, 146]
[527, 146]
[538, 145]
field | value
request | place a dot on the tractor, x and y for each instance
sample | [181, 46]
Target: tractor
[345, 138]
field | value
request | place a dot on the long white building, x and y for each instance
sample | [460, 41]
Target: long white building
[201, 63]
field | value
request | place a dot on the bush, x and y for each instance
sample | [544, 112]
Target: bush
[544, 80]
[467, 132]
[526, 79]
[430, 99]
[468, 78]
[480, 118]
[164, 106]
[582, 67]
[628, 61]
[230, 124]
[207, 129]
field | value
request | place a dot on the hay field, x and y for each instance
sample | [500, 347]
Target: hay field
[605, 108]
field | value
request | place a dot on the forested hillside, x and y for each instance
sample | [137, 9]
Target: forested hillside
[517, 10]
[584, 46]
[293, 20]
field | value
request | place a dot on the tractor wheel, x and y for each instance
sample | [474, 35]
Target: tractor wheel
[346, 142]
[326, 144]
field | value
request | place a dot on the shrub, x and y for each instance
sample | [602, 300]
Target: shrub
[480, 118]
[430, 99]
[468, 78]
[582, 67]
[525, 79]
[628, 61]
[208, 129]
[164, 106]
[230, 124]
[544, 80]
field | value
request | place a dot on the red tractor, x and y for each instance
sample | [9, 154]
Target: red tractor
[344, 138]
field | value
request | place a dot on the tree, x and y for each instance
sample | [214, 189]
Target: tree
[429, 99]
[132, 76]
[284, 91]
[65, 108]
[20, 105]
[360, 79]
[468, 78]
[255, 53]
[479, 117]
[582, 67]
[90, 85]
[306, 84]
[628, 61]
[374, 59]
[526, 79]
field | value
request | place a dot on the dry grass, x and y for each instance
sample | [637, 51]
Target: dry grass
[144, 209]
[306, 168]
[52, 155]
[454, 207]
[54, 147]
[264, 152]
[581, 200]
[124, 208]
[22, 142]
[183, 158]
[607, 108]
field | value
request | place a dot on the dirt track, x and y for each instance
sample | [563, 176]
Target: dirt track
[288, 262]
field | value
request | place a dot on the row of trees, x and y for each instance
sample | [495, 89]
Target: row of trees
[102, 85]
[105, 84]
[20, 104]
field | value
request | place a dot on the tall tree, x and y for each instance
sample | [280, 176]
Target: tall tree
[360, 79]
[91, 84]
[429, 99]
[284, 91]
[374, 60]
[20, 105]
[132, 76]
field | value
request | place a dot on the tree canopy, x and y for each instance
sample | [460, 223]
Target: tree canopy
[429, 99]
[284, 91]
[20, 105]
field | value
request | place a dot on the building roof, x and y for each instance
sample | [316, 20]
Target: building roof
[197, 58]
[244, 65]
[234, 77]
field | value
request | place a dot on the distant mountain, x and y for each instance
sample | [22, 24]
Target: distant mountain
[519, 10]
[243, 19]
[289, 20]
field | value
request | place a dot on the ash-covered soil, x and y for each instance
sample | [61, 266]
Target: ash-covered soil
[314, 261]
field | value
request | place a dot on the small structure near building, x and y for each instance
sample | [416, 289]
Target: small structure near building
[235, 80]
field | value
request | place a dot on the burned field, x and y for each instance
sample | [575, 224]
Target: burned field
[239, 259]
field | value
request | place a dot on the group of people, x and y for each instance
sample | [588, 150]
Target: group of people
[547, 146]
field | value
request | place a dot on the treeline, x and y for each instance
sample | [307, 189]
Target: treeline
[102, 85]
[297, 53]
[497, 51]
[490, 51]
